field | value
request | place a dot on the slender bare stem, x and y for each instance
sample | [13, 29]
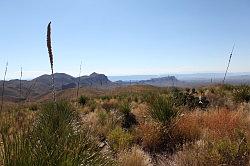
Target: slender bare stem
[21, 75]
[5, 73]
[79, 79]
[29, 90]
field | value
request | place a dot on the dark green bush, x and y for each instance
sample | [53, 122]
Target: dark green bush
[128, 118]
[242, 94]
[105, 97]
[188, 98]
[178, 97]
[162, 109]
[83, 100]
[56, 138]
[33, 107]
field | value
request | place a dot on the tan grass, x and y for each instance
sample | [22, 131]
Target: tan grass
[134, 157]
[150, 134]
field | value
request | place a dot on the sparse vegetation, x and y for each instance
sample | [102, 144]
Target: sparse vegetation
[137, 125]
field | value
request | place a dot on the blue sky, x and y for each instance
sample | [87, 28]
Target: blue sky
[124, 37]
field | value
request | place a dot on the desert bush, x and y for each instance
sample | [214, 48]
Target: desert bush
[151, 135]
[141, 112]
[119, 139]
[33, 107]
[92, 104]
[162, 110]
[128, 117]
[56, 138]
[197, 154]
[241, 94]
[206, 153]
[188, 98]
[102, 122]
[178, 97]
[133, 157]
[233, 152]
[227, 87]
[185, 129]
[148, 97]
[223, 123]
[215, 100]
[105, 97]
[83, 100]
[110, 105]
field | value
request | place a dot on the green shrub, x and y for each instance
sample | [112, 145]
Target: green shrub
[105, 97]
[83, 100]
[128, 118]
[125, 107]
[242, 94]
[162, 110]
[92, 104]
[33, 107]
[56, 138]
[227, 87]
[188, 98]
[109, 105]
[233, 152]
[178, 97]
[119, 139]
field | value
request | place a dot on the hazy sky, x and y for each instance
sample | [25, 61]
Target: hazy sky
[123, 37]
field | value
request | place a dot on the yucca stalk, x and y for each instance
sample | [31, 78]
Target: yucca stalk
[5, 73]
[21, 75]
[29, 90]
[79, 79]
[51, 60]
[230, 57]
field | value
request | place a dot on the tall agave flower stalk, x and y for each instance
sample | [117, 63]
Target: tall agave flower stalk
[51, 60]
[20, 88]
[230, 57]
[79, 79]
[5, 73]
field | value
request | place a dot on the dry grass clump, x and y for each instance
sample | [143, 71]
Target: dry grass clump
[110, 105]
[141, 112]
[223, 123]
[186, 129]
[102, 122]
[197, 154]
[13, 121]
[134, 157]
[223, 138]
[206, 153]
[150, 135]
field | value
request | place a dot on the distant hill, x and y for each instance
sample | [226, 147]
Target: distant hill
[42, 85]
[160, 82]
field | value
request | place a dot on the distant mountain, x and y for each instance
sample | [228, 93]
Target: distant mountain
[42, 85]
[160, 82]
